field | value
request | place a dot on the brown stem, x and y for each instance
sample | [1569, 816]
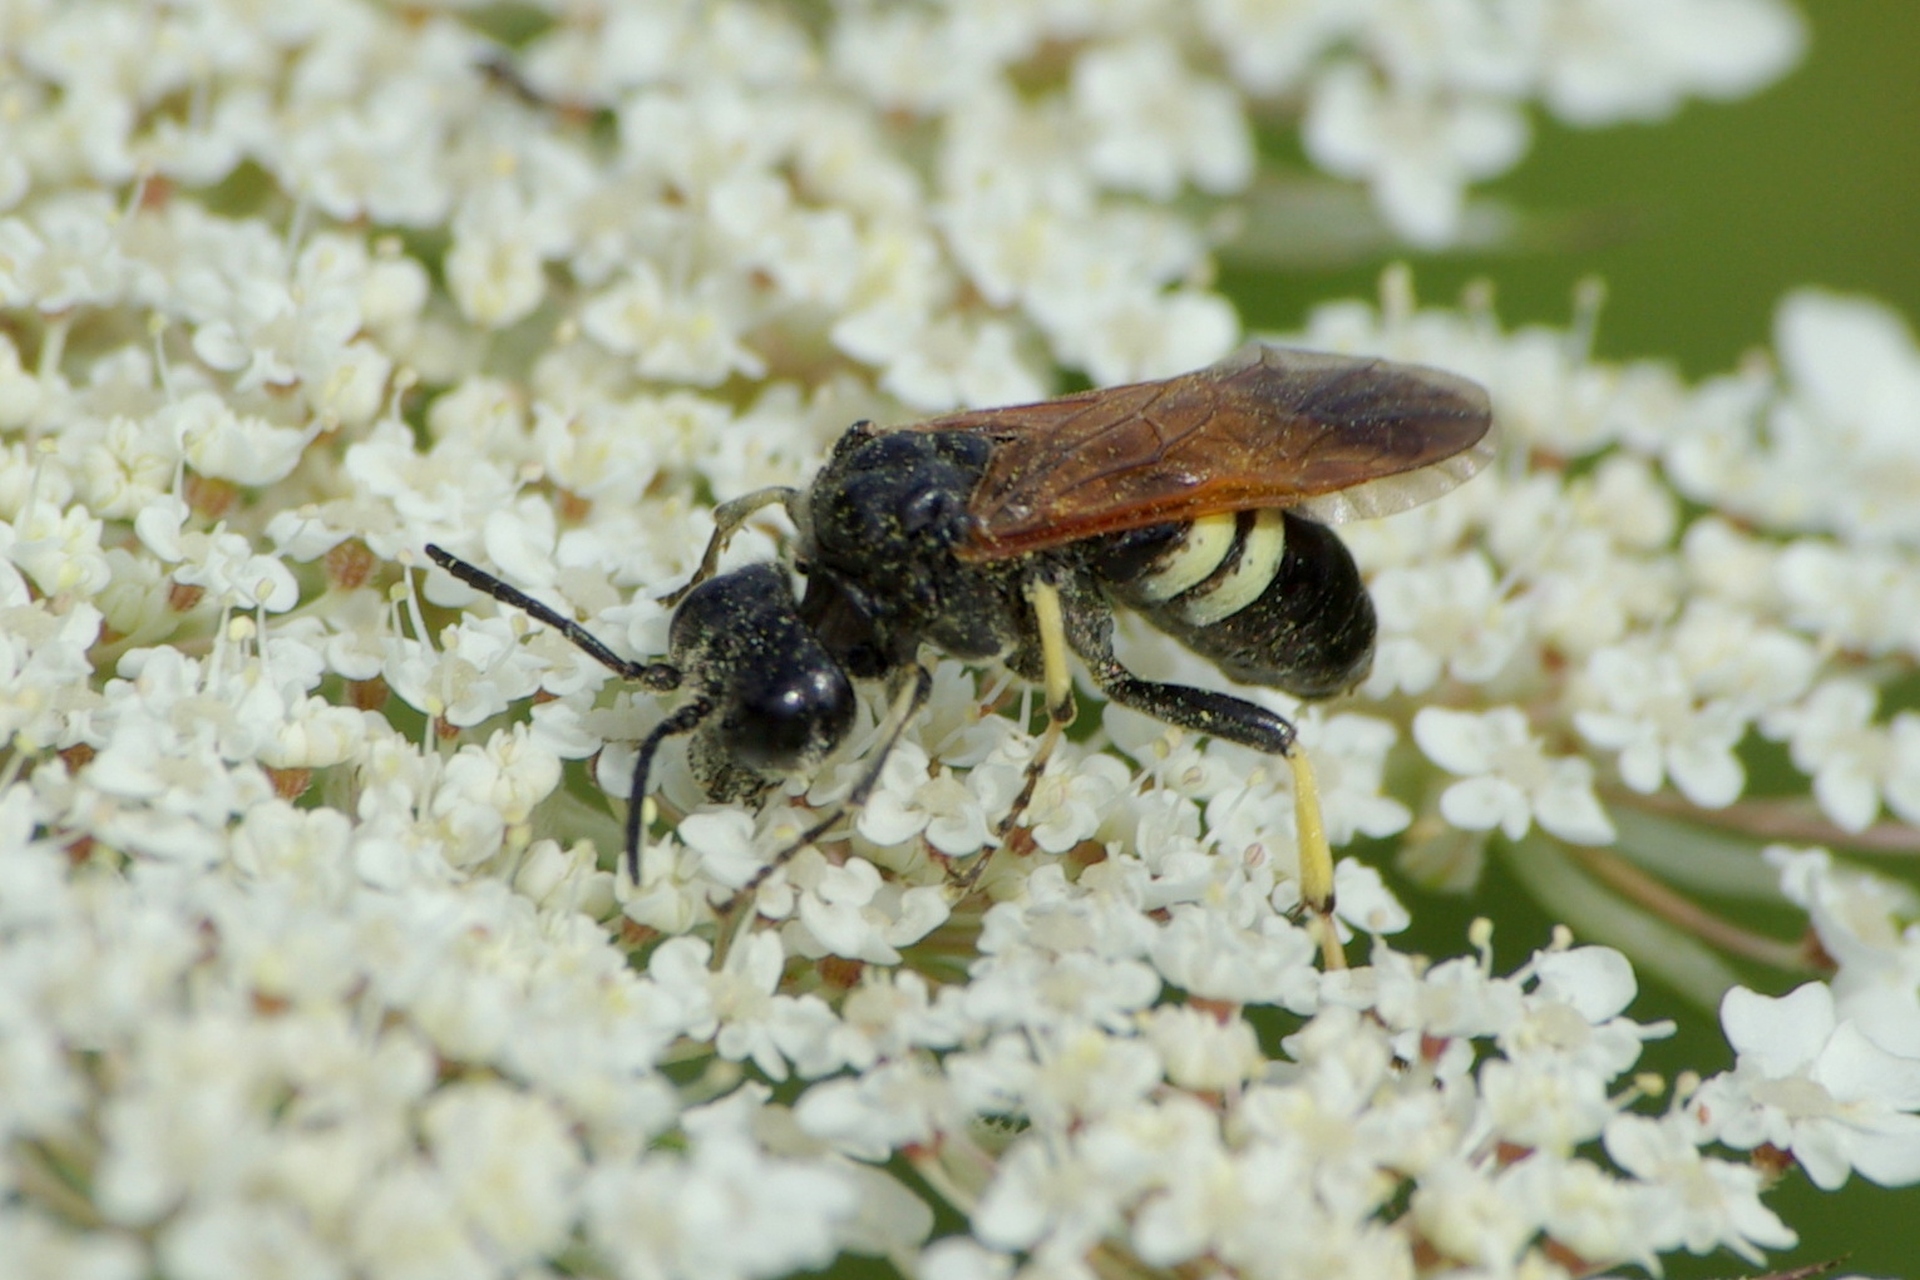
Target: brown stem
[1636, 885]
[1791, 820]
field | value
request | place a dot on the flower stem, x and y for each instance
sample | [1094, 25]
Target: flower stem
[1789, 819]
[1639, 887]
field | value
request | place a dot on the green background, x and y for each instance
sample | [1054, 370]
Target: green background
[1698, 225]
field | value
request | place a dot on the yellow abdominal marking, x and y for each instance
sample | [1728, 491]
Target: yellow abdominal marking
[1199, 552]
[1250, 576]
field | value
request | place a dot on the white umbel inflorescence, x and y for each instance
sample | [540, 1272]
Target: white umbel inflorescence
[313, 960]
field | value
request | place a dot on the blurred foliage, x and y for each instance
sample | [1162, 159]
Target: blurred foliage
[1700, 223]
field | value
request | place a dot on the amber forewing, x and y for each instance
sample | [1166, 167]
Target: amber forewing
[1266, 427]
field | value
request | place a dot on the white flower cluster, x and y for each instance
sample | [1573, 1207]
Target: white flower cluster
[313, 961]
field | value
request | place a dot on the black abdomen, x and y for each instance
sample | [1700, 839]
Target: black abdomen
[1268, 597]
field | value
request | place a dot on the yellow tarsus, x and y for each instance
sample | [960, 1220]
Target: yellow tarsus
[1050, 622]
[1316, 858]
